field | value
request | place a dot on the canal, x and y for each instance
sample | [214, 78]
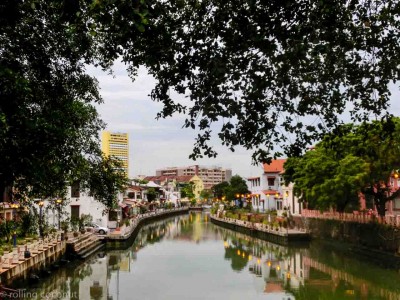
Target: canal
[187, 257]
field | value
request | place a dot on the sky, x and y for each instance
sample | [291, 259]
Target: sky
[156, 144]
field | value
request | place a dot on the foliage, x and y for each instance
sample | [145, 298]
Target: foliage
[74, 221]
[29, 222]
[48, 121]
[258, 71]
[260, 68]
[65, 225]
[206, 195]
[219, 190]
[105, 180]
[151, 194]
[84, 220]
[138, 181]
[6, 229]
[229, 190]
[352, 160]
[187, 190]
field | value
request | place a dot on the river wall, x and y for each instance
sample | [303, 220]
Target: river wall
[43, 257]
[367, 239]
[122, 242]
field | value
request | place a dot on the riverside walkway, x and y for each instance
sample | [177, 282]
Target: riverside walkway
[279, 235]
[126, 231]
[41, 254]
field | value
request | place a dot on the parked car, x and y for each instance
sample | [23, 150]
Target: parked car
[96, 228]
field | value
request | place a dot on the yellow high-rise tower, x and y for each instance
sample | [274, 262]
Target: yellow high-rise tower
[116, 144]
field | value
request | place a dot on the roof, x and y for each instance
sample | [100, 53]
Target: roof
[135, 188]
[276, 166]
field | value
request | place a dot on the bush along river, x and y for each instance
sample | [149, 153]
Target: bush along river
[188, 257]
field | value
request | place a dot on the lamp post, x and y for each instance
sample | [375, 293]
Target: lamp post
[277, 197]
[287, 201]
[58, 202]
[15, 206]
[41, 203]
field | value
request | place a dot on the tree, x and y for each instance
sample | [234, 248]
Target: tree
[236, 185]
[219, 190]
[206, 195]
[324, 182]
[259, 71]
[48, 123]
[351, 160]
[104, 179]
[266, 75]
[151, 194]
[187, 190]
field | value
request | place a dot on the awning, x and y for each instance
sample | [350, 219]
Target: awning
[272, 193]
[130, 202]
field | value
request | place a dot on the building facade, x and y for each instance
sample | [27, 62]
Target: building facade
[268, 191]
[171, 185]
[116, 144]
[209, 175]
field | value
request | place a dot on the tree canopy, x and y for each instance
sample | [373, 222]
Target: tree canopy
[353, 160]
[48, 122]
[269, 75]
[229, 190]
[264, 75]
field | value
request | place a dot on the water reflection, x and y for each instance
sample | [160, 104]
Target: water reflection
[187, 257]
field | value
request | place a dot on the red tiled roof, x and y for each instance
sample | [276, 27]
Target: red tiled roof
[135, 188]
[276, 166]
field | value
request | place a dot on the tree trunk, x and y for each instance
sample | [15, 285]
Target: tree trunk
[380, 206]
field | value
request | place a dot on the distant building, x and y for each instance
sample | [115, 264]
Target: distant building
[209, 175]
[116, 145]
[171, 185]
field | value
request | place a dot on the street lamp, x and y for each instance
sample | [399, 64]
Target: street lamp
[40, 203]
[58, 202]
[15, 206]
[277, 198]
[287, 201]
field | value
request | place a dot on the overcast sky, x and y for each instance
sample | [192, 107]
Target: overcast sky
[155, 144]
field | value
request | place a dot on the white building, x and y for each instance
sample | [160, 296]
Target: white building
[268, 191]
[78, 203]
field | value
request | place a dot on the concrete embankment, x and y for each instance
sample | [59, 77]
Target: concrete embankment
[124, 237]
[282, 236]
[48, 253]
[43, 254]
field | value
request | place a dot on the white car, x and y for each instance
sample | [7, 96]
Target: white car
[97, 229]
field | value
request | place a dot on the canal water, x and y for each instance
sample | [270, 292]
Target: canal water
[187, 257]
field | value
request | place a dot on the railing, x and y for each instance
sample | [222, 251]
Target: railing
[17, 255]
[125, 231]
[355, 216]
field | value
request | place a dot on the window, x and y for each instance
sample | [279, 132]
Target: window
[397, 204]
[271, 181]
[75, 189]
[279, 204]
